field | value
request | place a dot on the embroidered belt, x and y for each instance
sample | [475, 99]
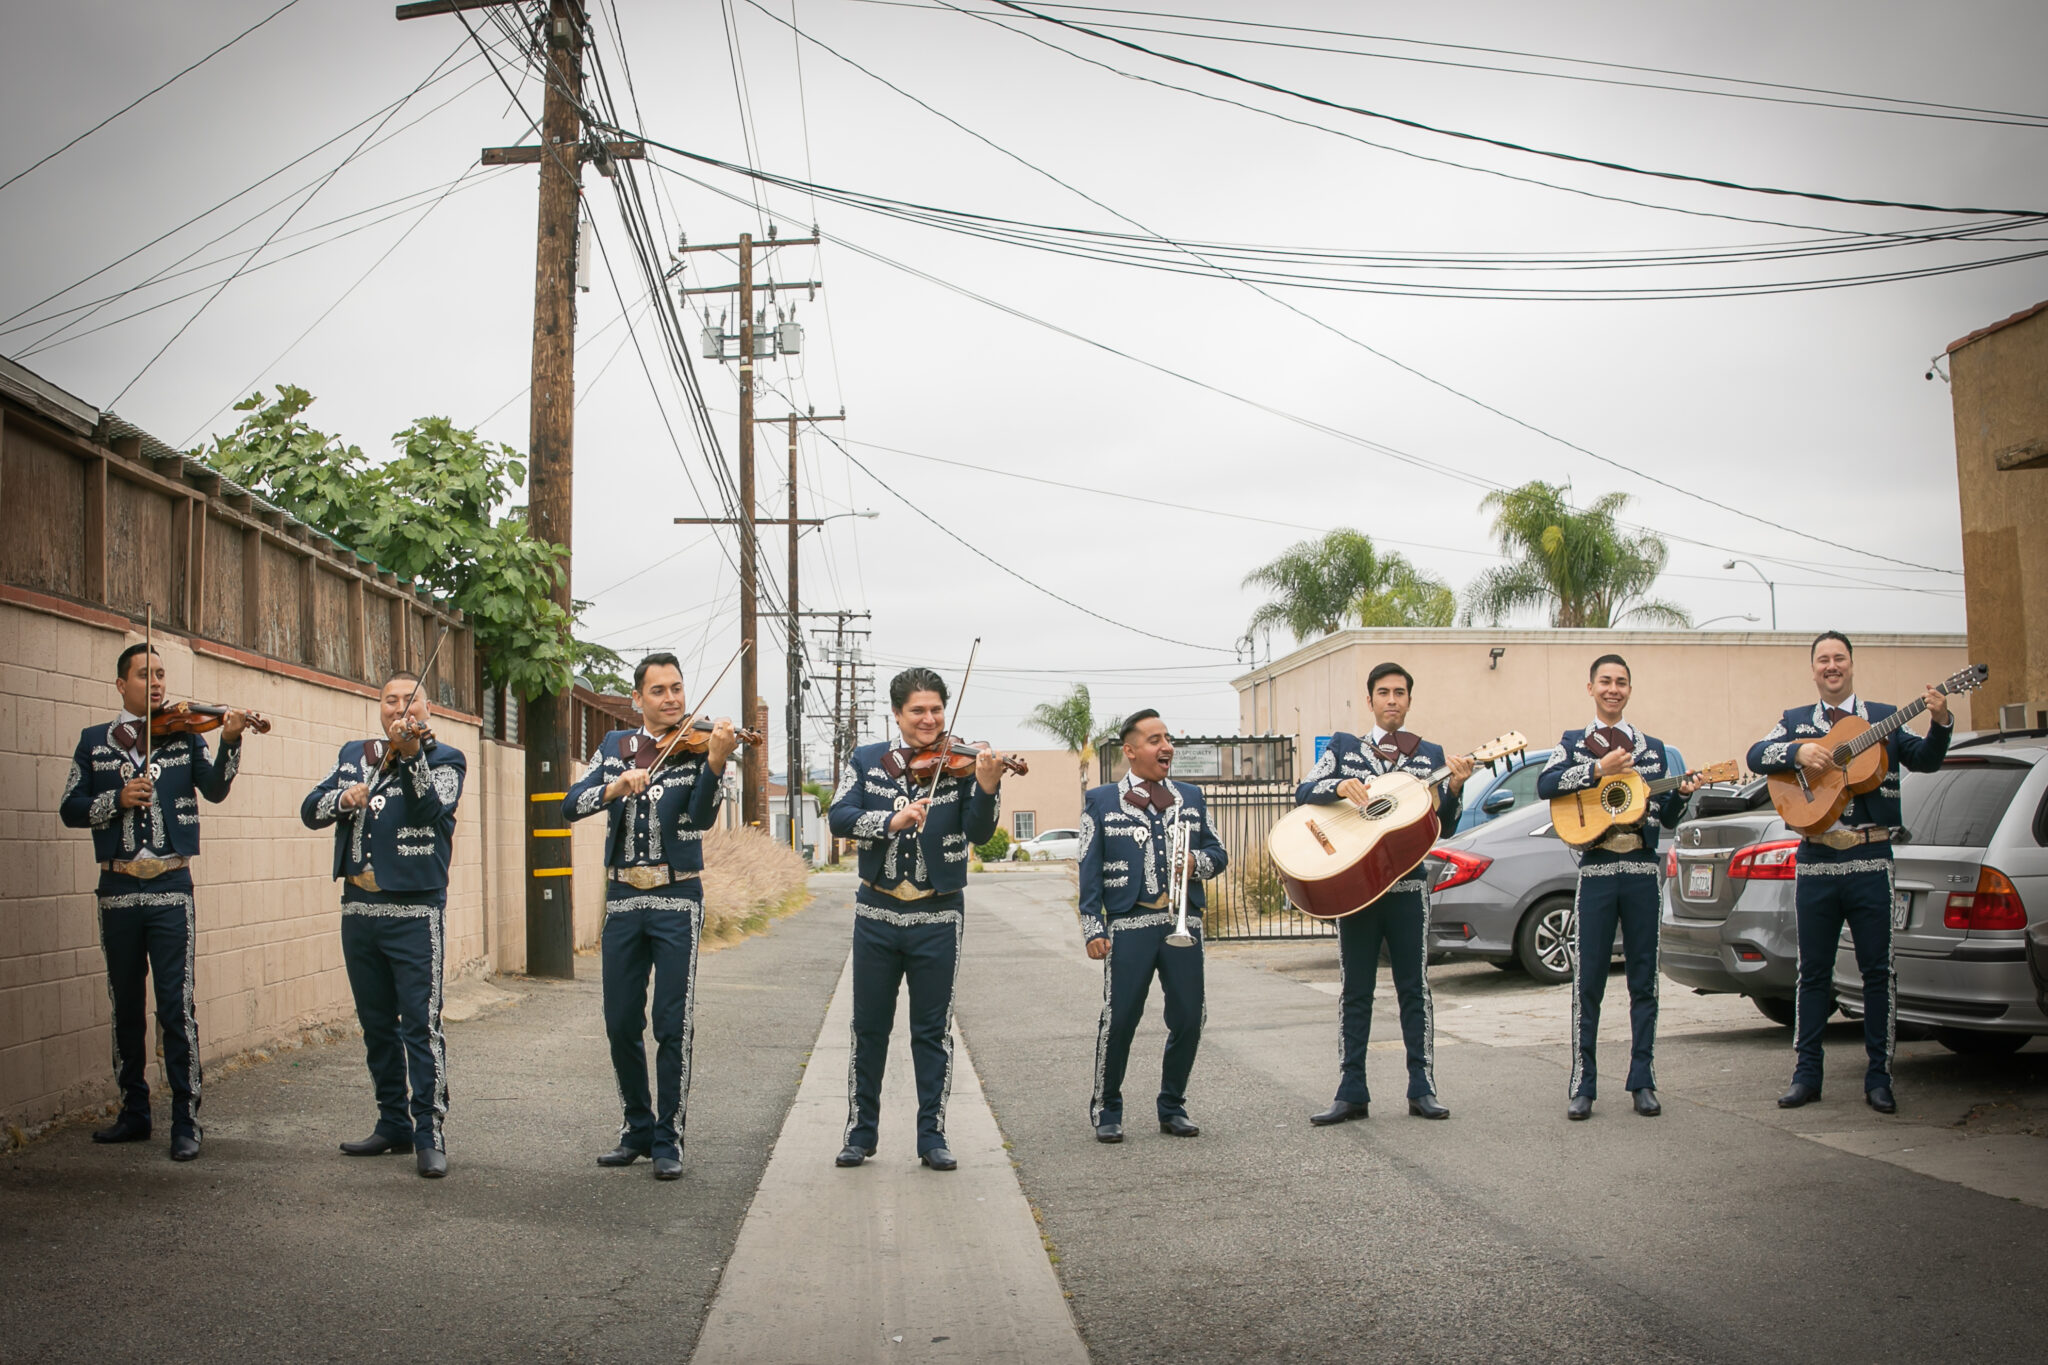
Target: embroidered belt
[903, 891]
[645, 878]
[1839, 839]
[1159, 902]
[366, 880]
[142, 869]
[1621, 843]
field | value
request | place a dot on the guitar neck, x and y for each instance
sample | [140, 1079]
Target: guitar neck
[1666, 784]
[1883, 730]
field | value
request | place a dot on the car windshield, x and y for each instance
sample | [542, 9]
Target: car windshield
[1961, 804]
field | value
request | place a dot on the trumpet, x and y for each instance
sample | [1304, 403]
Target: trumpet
[1179, 851]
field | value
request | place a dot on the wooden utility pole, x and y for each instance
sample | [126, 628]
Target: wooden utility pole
[793, 788]
[754, 773]
[550, 449]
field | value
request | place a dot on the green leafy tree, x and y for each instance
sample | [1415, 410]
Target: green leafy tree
[996, 849]
[1579, 566]
[1319, 585]
[427, 515]
[1072, 721]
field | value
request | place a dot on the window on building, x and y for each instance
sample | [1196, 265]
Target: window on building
[1023, 824]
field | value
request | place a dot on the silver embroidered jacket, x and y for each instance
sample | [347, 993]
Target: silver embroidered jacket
[1774, 753]
[1573, 768]
[665, 824]
[1123, 852]
[961, 816]
[406, 833]
[183, 772]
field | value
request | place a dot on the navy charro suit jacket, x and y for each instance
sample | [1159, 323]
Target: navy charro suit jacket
[665, 824]
[183, 772]
[406, 834]
[961, 815]
[1123, 852]
[1904, 749]
[1572, 768]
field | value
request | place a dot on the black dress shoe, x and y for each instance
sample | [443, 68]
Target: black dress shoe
[1880, 1099]
[1581, 1107]
[668, 1168]
[1109, 1132]
[1646, 1103]
[432, 1162]
[1340, 1111]
[126, 1128]
[850, 1155]
[939, 1159]
[184, 1146]
[376, 1144]
[1428, 1107]
[622, 1155]
[1800, 1093]
[1179, 1126]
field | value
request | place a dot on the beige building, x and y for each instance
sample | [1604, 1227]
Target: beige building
[1047, 797]
[1711, 693]
[1999, 389]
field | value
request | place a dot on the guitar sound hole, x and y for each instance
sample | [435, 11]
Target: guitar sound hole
[1378, 808]
[1614, 799]
[1841, 756]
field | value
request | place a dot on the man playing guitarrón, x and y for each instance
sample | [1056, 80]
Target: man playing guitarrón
[1400, 917]
[1618, 886]
[1844, 872]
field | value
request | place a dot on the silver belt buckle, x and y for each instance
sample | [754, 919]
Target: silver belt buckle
[366, 880]
[1622, 843]
[142, 869]
[904, 891]
[642, 878]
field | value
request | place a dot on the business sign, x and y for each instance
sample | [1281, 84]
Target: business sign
[1197, 760]
[1322, 743]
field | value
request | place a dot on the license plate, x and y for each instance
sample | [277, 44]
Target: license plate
[1699, 882]
[1902, 904]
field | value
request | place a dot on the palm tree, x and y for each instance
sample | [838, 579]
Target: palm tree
[1071, 720]
[1578, 565]
[1320, 584]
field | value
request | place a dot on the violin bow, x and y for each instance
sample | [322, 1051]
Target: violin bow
[148, 682]
[946, 735]
[417, 684]
[691, 719]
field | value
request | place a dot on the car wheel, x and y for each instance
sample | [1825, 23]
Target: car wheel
[1545, 941]
[1971, 1042]
[1780, 1011]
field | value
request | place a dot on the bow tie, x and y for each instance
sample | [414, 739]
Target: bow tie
[1157, 795]
[1835, 713]
[1609, 737]
[1397, 745]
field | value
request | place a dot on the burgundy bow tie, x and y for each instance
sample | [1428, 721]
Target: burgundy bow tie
[1156, 795]
[1609, 737]
[1397, 745]
[1835, 713]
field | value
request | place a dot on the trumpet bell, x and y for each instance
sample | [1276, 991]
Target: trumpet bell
[1181, 940]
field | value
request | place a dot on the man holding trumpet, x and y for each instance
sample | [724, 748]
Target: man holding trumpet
[1146, 849]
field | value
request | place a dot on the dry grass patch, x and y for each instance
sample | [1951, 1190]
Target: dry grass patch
[749, 879]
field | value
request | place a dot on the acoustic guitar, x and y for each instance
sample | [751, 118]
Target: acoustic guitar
[1859, 761]
[1584, 817]
[1336, 860]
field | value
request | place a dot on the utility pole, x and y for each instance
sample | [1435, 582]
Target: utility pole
[550, 446]
[754, 774]
[844, 668]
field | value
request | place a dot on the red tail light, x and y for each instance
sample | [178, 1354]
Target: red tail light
[1775, 861]
[1459, 867]
[1995, 904]
[1671, 863]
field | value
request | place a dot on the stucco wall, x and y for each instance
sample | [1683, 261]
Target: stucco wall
[269, 954]
[1710, 693]
[1051, 790]
[1999, 388]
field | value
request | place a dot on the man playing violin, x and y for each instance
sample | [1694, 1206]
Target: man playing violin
[1127, 879]
[139, 795]
[1399, 919]
[1844, 872]
[660, 793]
[1617, 887]
[391, 803]
[914, 838]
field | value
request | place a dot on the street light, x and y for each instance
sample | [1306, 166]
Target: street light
[1767, 583]
[865, 516]
[1732, 616]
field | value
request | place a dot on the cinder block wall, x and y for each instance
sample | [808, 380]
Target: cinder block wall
[269, 954]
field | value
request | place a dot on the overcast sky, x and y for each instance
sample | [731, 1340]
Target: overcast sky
[1808, 409]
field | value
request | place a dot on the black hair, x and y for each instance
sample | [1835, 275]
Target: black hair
[912, 681]
[401, 675]
[654, 661]
[1379, 671]
[1830, 635]
[121, 664]
[1133, 721]
[1594, 671]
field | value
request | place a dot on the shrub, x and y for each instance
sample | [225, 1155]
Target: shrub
[996, 849]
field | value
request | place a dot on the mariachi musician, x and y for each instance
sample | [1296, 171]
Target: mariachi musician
[391, 802]
[659, 786]
[139, 795]
[1399, 919]
[1127, 885]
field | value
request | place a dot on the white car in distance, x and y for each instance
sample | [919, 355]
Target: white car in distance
[1052, 845]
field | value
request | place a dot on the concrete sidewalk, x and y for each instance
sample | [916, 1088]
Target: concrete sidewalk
[888, 1262]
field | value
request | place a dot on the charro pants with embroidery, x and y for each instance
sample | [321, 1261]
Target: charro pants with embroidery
[886, 956]
[146, 930]
[652, 934]
[1827, 900]
[1136, 955]
[392, 948]
[1398, 920]
[1615, 891]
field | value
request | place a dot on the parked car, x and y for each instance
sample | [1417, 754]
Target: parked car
[1503, 892]
[1050, 845]
[1493, 793]
[1728, 924]
[1966, 884]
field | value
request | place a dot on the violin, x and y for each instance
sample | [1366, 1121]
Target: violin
[184, 718]
[376, 751]
[642, 750]
[954, 757]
